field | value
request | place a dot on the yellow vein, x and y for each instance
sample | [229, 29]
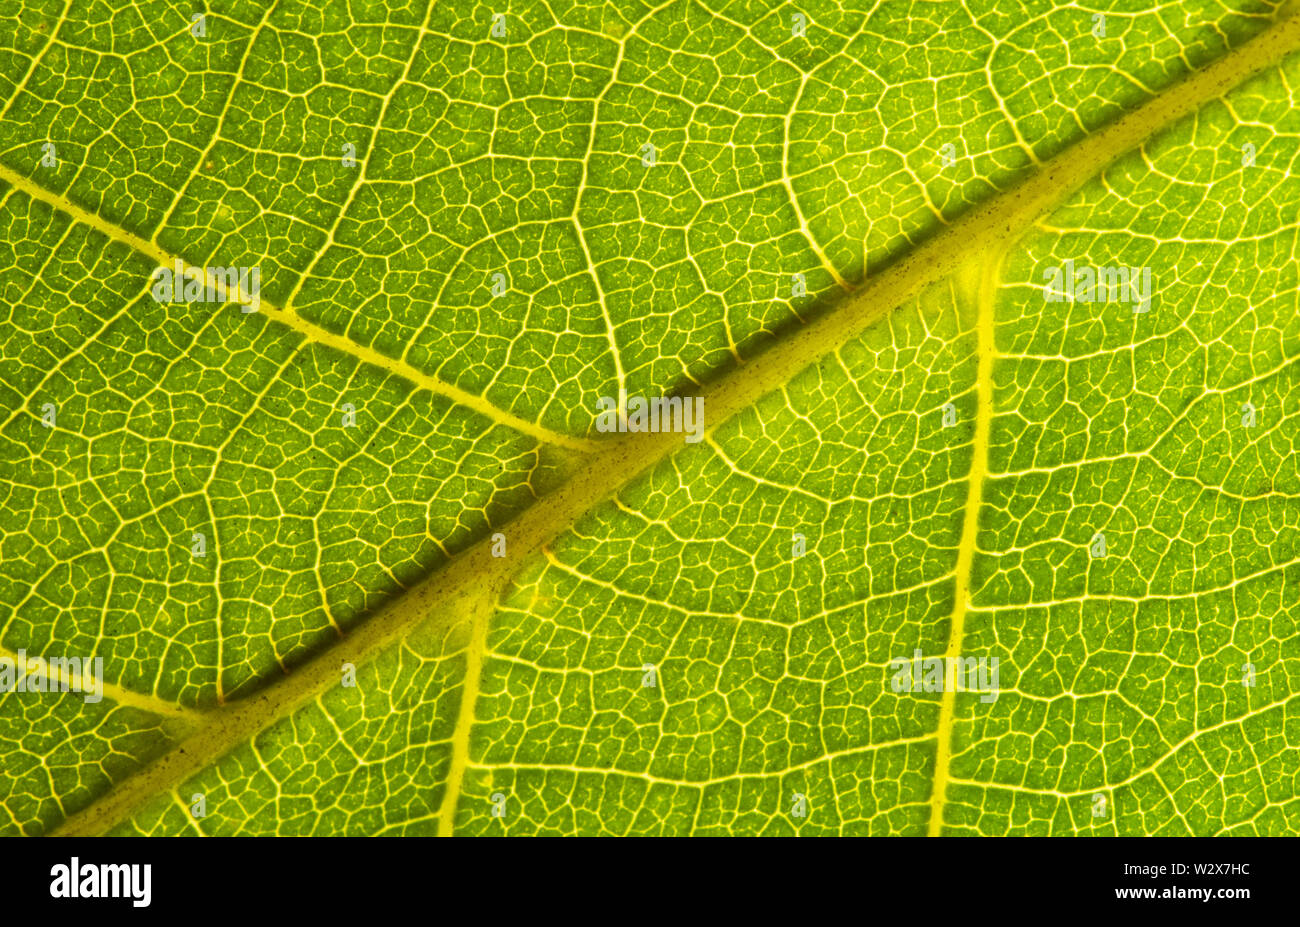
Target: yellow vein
[309, 330]
[221, 119]
[465, 718]
[987, 291]
[37, 60]
[189, 817]
[611, 334]
[369, 151]
[78, 682]
[807, 232]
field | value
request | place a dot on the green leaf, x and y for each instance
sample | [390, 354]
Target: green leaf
[920, 455]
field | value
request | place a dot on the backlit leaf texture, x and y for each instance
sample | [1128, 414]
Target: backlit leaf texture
[916, 452]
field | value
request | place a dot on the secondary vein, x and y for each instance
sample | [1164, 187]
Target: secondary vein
[990, 264]
[309, 330]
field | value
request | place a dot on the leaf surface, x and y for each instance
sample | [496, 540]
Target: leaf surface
[508, 694]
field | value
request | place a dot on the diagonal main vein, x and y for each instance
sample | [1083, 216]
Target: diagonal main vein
[991, 227]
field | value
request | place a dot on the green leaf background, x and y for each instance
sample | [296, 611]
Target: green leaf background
[521, 676]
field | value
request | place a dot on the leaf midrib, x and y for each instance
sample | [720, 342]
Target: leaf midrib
[465, 589]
